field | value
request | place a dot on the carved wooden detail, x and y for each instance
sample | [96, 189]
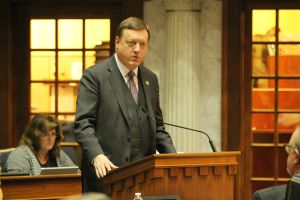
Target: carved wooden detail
[191, 176]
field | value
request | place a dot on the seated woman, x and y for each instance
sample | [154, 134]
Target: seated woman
[39, 147]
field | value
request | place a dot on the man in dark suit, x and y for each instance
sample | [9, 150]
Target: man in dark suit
[111, 124]
[271, 193]
[290, 191]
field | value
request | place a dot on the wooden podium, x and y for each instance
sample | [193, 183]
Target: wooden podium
[41, 187]
[190, 175]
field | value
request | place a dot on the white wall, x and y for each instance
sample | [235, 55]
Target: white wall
[210, 54]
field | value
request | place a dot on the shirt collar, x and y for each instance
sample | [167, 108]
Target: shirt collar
[124, 70]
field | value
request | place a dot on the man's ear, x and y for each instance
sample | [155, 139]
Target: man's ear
[297, 157]
[117, 40]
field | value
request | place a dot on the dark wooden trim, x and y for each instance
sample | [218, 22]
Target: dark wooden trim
[247, 99]
[21, 72]
[3, 74]
[232, 83]
[133, 8]
[231, 75]
[224, 98]
[6, 74]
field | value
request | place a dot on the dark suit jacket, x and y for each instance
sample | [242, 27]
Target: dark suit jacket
[102, 123]
[271, 193]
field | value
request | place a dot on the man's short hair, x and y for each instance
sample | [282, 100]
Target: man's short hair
[132, 23]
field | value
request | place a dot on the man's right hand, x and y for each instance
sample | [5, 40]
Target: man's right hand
[102, 165]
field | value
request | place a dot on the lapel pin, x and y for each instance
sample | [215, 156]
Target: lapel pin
[147, 83]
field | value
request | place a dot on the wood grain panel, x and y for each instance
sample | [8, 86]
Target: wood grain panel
[191, 176]
[41, 187]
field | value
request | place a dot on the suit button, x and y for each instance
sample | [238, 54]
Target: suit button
[128, 138]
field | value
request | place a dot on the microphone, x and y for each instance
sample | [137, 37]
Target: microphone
[212, 145]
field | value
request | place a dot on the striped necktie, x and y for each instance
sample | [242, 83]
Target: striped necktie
[132, 86]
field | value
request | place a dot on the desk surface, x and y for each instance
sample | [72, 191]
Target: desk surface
[39, 177]
[41, 187]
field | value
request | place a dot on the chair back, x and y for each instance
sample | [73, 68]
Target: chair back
[4, 153]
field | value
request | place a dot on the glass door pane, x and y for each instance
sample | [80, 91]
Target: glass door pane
[61, 49]
[289, 31]
[42, 97]
[42, 34]
[70, 33]
[42, 65]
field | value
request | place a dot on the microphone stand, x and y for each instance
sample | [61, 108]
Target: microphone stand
[212, 145]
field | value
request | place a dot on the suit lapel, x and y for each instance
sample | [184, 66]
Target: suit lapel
[116, 82]
[147, 84]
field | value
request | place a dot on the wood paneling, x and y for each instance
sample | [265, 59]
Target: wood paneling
[189, 175]
[41, 187]
[233, 136]
[232, 81]
[5, 81]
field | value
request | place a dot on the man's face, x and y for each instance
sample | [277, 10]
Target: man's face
[293, 155]
[132, 47]
[290, 163]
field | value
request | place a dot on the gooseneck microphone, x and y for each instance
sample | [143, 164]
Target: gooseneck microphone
[212, 145]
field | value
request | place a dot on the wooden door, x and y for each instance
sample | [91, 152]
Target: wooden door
[272, 90]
